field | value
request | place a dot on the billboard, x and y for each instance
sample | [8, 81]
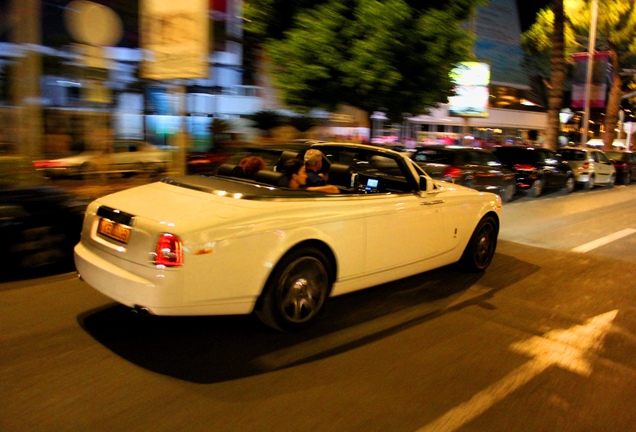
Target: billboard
[175, 38]
[598, 80]
[471, 80]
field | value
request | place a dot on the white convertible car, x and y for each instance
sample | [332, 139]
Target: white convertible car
[222, 244]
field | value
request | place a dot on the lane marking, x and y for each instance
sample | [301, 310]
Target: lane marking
[570, 349]
[603, 240]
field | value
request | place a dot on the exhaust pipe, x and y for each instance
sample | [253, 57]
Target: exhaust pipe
[141, 310]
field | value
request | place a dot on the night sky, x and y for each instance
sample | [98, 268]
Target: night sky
[528, 11]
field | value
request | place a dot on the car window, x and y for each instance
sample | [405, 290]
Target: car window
[490, 159]
[433, 156]
[601, 157]
[473, 157]
[573, 155]
[512, 155]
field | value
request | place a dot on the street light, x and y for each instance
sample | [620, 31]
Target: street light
[565, 116]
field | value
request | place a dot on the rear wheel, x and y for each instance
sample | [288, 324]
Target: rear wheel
[480, 250]
[537, 188]
[508, 192]
[296, 290]
[89, 171]
[570, 184]
[590, 183]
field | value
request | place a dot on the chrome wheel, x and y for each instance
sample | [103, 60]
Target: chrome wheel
[590, 183]
[296, 291]
[537, 188]
[570, 184]
[508, 192]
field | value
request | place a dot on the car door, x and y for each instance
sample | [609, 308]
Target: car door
[555, 169]
[403, 228]
[604, 167]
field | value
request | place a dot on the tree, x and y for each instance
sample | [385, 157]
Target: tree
[616, 33]
[266, 120]
[395, 54]
[557, 81]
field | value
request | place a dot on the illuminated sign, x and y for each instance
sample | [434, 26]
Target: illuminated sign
[471, 90]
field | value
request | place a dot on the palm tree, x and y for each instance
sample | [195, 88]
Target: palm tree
[557, 79]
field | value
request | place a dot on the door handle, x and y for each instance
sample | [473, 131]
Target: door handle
[432, 202]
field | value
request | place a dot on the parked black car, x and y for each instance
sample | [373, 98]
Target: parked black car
[467, 166]
[536, 169]
[39, 224]
[625, 165]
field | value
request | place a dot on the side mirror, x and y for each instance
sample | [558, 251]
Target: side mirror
[426, 185]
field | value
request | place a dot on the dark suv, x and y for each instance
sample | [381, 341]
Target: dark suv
[467, 166]
[536, 169]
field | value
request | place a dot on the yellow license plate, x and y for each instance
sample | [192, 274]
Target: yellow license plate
[114, 230]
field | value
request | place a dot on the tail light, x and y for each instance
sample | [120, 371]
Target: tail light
[586, 165]
[48, 164]
[169, 252]
[524, 167]
[452, 172]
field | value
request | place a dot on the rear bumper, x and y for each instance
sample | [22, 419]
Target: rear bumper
[127, 283]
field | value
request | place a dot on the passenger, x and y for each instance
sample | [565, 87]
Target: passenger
[296, 173]
[251, 165]
[313, 164]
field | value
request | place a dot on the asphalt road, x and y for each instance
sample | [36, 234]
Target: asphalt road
[542, 341]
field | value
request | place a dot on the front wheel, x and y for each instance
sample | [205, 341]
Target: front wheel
[296, 290]
[611, 181]
[480, 250]
[626, 178]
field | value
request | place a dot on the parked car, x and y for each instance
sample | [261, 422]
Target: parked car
[536, 169]
[218, 244]
[39, 224]
[590, 166]
[624, 164]
[122, 157]
[468, 166]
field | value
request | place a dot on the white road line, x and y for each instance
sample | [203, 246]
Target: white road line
[603, 240]
[571, 349]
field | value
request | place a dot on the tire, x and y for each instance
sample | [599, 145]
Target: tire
[41, 247]
[89, 171]
[296, 290]
[537, 188]
[590, 183]
[570, 184]
[611, 181]
[507, 192]
[627, 178]
[481, 247]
